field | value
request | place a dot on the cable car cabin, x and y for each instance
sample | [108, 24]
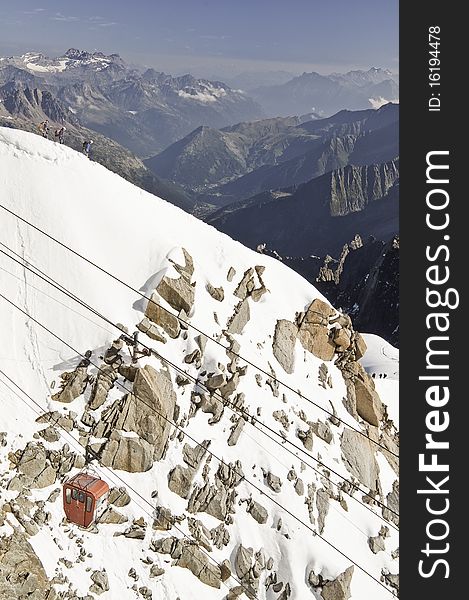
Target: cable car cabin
[85, 498]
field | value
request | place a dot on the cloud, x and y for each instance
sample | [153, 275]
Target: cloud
[215, 37]
[64, 18]
[110, 24]
[35, 11]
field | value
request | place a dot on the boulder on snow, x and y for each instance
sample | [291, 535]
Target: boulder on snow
[100, 582]
[73, 385]
[22, 574]
[359, 458]
[368, 403]
[162, 317]
[102, 384]
[217, 294]
[239, 318]
[178, 293]
[339, 589]
[284, 344]
[131, 454]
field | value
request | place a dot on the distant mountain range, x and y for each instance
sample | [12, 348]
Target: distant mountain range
[327, 94]
[239, 162]
[144, 110]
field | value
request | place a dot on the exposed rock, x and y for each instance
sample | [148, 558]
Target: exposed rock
[299, 487]
[148, 411]
[102, 384]
[151, 330]
[162, 317]
[217, 294]
[322, 502]
[156, 571]
[100, 582]
[163, 520]
[246, 285]
[220, 536]
[215, 381]
[359, 458]
[21, 572]
[369, 405]
[50, 434]
[240, 318]
[236, 432]
[180, 480]
[281, 417]
[360, 346]
[231, 273]
[131, 454]
[392, 499]
[323, 431]
[273, 481]
[342, 338]
[33, 463]
[119, 497]
[178, 293]
[73, 385]
[317, 340]
[306, 437]
[111, 516]
[339, 589]
[257, 511]
[284, 344]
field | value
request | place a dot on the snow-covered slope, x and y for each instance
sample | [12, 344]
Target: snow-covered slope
[140, 239]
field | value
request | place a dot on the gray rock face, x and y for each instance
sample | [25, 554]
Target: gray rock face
[189, 556]
[180, 480]
[163, 318]
[369, 406]
[119, 497]
[240, 318]
[179, 293]
[100, 582]
[131, 454]
[258, 512]
[273, 481]
[151, 330]
[73, 385]
[322, 502]
[339, 589]
[359, 457]
[103, 383]
[236, 432]
[33, 462]
[147, 412]
[284, 344]
[21, 572]
[217, 294]
[313, 332]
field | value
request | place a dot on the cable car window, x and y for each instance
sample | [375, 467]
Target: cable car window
[68, 495]
[81, 497]
[75, 494]
[89, 503]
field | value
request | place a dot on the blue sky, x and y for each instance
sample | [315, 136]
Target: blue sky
[211, 35]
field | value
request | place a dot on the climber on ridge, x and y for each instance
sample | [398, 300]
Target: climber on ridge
[59, 135]
[87, 148]
[44, 128]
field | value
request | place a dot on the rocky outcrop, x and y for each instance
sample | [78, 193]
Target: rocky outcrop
[103, 383]
[100, 582]
[131, 454]
[22, 574]
[180, 478]
[179, 293]
[339, 589]
[73, 385]
[162, 317]
[240, 318]
[313, 331]
[217, 294]
[284, 344]
[189, 555]
[249, 567]
[147, 411]
[359, 458]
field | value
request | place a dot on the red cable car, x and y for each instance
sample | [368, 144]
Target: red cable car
[85, 498]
